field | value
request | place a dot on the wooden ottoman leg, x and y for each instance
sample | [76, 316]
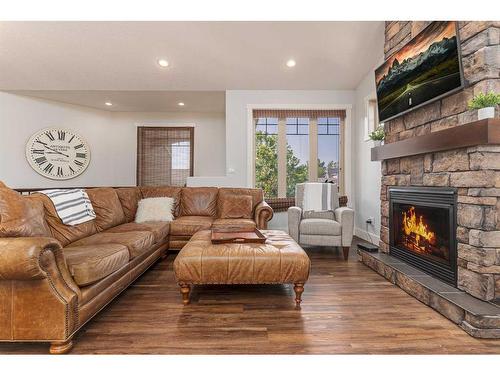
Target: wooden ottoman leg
[60, 347]
[298, 288]
[185, 289]
[345, 249]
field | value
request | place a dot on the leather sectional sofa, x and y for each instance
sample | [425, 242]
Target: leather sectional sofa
[54, 278]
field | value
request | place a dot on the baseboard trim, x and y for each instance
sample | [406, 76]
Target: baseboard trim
[370, 237]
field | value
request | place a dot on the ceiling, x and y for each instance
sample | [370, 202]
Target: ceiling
[210, 56]
[137, 101]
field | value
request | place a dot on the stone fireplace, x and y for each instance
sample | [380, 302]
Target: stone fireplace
[474, 171]
[456, 268]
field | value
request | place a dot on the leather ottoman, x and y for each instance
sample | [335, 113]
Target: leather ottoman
[278, 261]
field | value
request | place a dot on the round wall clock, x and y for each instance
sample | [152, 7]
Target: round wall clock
[56, 153]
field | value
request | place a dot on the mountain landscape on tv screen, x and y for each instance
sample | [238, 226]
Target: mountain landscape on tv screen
[419, 78]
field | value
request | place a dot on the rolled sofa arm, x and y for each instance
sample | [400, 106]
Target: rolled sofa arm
[345, 216]
[294, 216]
[263, 213]
[21, 258]
[43, 297]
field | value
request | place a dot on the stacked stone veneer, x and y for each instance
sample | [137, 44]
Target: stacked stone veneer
[474, 171]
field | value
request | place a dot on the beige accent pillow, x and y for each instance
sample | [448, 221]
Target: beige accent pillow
[155, 209]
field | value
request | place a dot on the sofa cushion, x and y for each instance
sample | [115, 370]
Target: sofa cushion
[107, 207]
[65, 234]
[129, 198]
[160, 230]
[330, 215]
[199, 201]
[88, 264]
[256, 194]
[241, 224]
[234, 206]
[323, 227]
[164, 191]
[189, 225]
[21, 216]
[137, 242]
[155, 209]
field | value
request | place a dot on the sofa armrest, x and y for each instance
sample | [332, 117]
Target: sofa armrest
[345, 216]
[263, 213]
[294, 216]
[21, 258]
[43, 296]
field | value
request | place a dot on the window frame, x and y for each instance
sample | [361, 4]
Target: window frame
[313, 147]
[370, 126]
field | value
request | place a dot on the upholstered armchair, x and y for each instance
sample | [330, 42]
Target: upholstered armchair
[322, 228]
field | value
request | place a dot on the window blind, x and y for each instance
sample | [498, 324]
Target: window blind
[164, 155]
[311, 113]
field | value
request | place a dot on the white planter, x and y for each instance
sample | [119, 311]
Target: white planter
[488, 112]
[377, 143]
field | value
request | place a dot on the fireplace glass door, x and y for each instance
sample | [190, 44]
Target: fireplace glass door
[425, 231]
[422, 229]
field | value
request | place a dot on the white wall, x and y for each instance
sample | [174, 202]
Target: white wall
[366, 172]
[111, 136]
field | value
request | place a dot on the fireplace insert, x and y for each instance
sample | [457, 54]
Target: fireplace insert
[422, 229]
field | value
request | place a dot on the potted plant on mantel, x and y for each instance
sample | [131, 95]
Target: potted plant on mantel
[378, 135]
[485, 104]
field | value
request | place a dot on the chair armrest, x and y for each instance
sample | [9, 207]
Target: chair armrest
[345, 216]
[22, 258]
[294, 216]
[263, 213]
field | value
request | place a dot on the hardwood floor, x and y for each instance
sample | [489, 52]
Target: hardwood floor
[346, 308]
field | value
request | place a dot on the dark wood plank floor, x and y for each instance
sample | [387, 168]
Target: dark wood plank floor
[347, 308]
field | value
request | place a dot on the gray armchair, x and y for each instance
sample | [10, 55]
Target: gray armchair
[325, 228]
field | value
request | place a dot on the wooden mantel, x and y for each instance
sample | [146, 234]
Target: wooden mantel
[482, 132]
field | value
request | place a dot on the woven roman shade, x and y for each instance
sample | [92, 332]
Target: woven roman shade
[164, 155]
[311, 113]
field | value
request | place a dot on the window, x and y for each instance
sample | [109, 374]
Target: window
[329, 149]
[266, 157]
[297, 153]
[164, 155]
[371, 116]
[292, 147]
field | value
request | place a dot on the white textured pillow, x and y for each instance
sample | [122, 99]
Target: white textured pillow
[155, 209]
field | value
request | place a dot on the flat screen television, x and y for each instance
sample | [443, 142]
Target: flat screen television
[427, 68]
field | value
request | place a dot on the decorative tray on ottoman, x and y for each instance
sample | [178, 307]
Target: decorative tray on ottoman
[237, 236]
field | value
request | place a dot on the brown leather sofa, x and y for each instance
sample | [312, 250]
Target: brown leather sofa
[54, 278]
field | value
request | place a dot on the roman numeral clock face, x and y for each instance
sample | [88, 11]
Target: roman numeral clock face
[59, 154]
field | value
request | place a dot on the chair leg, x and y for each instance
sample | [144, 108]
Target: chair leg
[299, 289]
[185, 290]
[345, 249]
[61, 347]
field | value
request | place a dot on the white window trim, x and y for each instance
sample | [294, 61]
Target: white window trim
[346, 160]
[366, 124]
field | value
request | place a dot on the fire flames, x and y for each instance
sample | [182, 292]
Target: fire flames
[417, 228]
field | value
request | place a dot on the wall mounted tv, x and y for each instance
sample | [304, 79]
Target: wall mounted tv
[427, 68]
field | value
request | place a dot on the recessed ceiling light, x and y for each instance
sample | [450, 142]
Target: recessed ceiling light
[163, 63]
[109, 104]
[181, 104]
[291, 63]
